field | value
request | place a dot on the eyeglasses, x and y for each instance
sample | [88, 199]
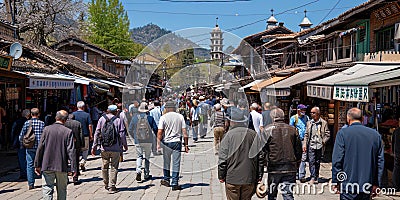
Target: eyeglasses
[313, 113]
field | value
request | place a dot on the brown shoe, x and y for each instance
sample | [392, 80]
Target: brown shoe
[31, 187]
[165, 183]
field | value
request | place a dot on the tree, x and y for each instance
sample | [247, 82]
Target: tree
[109, 28]
[44, 21]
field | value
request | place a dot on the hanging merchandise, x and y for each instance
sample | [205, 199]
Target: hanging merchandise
[72, 99]
[78, 93]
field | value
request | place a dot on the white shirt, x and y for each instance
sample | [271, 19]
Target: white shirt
[156, 114]
[257, 120]
[172, 124]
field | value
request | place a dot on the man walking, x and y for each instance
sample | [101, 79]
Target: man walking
[256, 118]
[280, 137]
[87, 130]
[76, 128]
[236, 168]
[218, 122]
[111, 139]
[56, 147]
[357, 159]
[316, 136]
[266, 117]
[156, 114]
[16, 130]
[204, 112]
[37, 128]
[144, 135]
[170, 130]
[299, 121]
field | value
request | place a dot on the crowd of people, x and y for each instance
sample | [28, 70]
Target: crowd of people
[249, 140]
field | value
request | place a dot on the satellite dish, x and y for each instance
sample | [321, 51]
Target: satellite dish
[16, 50]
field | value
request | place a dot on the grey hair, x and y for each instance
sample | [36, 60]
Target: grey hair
[317, 109]
[35, 111]
[62, 115]
[354, 114]
[26, 113]
[277, 114]
[80, 104]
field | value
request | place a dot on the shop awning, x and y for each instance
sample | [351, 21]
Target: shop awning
[84, 80]
[355, 72]
[48, 81]
[352, 84]
[265, 83]
[241, 89]
[110, 83]
[300, 77]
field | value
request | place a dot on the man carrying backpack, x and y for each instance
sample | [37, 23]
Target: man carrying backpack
[110, 137]
[146, 128]
[30, 138]
[299, 121]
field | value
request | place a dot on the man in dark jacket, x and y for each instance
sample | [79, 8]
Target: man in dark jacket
[282, 150]
[56, 147]
[235, 166]
[79, 140]
[357, 159]
[16, 130]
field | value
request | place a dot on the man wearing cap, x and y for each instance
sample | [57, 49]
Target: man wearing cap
[237, 168]
[144, 145]
[218, 122]
[282, 149]
[299, 121]
[170, 130]
[110, 154]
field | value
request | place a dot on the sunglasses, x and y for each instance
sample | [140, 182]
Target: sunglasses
[313, 113]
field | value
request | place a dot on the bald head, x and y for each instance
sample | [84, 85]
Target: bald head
[62, 116]
[354, 115]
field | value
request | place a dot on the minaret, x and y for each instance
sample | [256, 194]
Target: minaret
[271, 22]
[216, 42]
[306, 23]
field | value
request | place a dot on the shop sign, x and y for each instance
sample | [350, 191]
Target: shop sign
[351, 93]
[5, 62]
[278, 92]
[322, 92]
[35, 83]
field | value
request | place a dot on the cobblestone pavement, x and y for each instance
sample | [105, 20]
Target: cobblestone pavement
[198, 170]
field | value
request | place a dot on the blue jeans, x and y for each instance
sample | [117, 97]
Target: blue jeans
[302, 168]
[286, 180]
[22, 162]
[172, 149]
[349, 196]
[30, 169]
[195, 128]
[143, 151]
[314, 159]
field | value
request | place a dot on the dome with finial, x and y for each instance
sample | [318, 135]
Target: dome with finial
[306, 22]
[272, 19]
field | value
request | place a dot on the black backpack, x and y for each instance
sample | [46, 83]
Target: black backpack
[251, 125]
[143, 130]
[109, 135]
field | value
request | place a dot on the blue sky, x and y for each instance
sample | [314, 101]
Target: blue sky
[179, 15]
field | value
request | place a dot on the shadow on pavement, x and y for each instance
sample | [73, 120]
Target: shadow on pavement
[127, 169]
[189, 185]
[130, 159]
[131, 189]
[6, 191]
[91, 179]
[92, 169]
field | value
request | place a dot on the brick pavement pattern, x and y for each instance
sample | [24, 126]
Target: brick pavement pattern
[198, 171]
